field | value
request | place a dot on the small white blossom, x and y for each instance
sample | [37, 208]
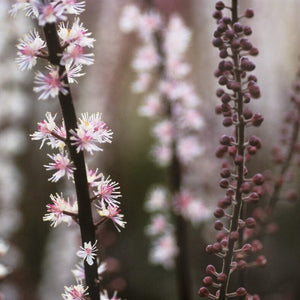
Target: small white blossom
[88, 252]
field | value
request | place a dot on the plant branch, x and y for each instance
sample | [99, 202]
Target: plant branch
[82, 191]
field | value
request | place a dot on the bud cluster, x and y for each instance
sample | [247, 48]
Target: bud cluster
[238, 88]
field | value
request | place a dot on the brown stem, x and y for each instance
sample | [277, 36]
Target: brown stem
[81, 185]
[240, 135]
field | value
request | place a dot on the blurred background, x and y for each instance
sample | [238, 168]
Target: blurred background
[40, 258]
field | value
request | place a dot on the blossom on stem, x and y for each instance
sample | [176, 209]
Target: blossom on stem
[164, 251]
[56, 211]
[62, 164]
[129, 18]
[75, 54]
[112, 213]
[157, 200]
[88, 252]
[91, 130]
[50, 84]
[75, 292]
[108, 191]
[45, 130]
[48, 11]
[77, 35]
[29, 47]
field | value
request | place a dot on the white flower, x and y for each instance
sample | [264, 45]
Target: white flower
[29, 48]
[157, 200]
[108, 191]
[75, 54]
[152, 106]
[75, 292]
[129, 18]
[88, 252]
[189, 148]
[56, 210]
[146, 59]
[73, 6]
[164, 251]
[49, 85]
[62, 164]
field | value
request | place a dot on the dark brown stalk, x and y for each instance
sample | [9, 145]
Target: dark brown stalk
[82, 191]
[240, 135]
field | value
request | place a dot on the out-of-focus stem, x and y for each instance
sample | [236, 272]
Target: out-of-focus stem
[82, 191]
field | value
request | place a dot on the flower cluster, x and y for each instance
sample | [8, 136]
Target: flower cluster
[170, 101]
[235, 244]
[64, 49]
[73, 40]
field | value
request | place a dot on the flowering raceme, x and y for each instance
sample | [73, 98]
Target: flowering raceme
[171, 101]
[66, 50]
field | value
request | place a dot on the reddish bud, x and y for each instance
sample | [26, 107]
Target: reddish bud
[247, 114]
[227, 122]
[220, 5]
[238, 160]
[234, 235]
[203, 292]
[241, 265]
[210, 270]
[254, 197]
[225, 173]
[209, 249]
[261, 261]
[247, 30]
[219, 212]
[257, 119]
[256, 246]
[250, 222]
[247, 248]
[258, 179]
[254, 91]
[224, 183]
[207, 281]
[217, 15]
[221, 150]
[245, 187]
[225, 140]
[218, 225]
[222, 277]
[249, 13]
[237, 27]
[253, 51]
[241, 292]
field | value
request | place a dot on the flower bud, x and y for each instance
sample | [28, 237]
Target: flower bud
[258, 179]
[241, 292]
[219, 212]
[220, 5]
[249, 13]
[261, 261]
[210, 270]
[250, 222]
[207, 281]
[218, 225]
[203, 292]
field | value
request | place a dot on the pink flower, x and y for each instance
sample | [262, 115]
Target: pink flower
[158, 225]
[157, 200]
[45, 130]
[62, 164]
[77, 35]
[129, 18]
[50, 84]
[146, 59]
[56, 210]
[48, 12]
[189, 148]
[75, 292]
[108, 191]
[75, 54]
[29, 48]
[191, 208]
[149, 22]
[93, 176]
[112, 213]
[163, 132]
[88, 252]
[164, 251]
[152, 106]
[162, 155]
[91, 131]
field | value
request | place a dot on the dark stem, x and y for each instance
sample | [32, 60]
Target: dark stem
[81, 185]
[240, 135]
[175, 173]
